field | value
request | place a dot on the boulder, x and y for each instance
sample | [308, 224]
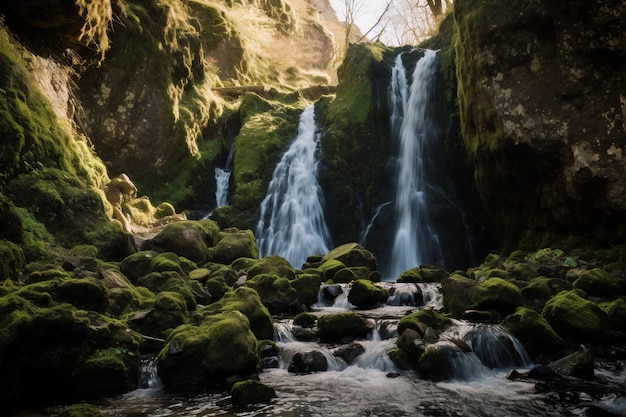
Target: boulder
[457, 290]
[579, 364]
[137, 265]
[352, 255]
[423, 274]
[410, 341]
[422, 319]
[599, 283]
[169, 312]
[246, 301]
[170, 281]
[544, 288]
[197, 356]
[251, 391]
[307, 288]
[616, 311]
[349, 352]
[496, 294]
[577, 319]
[346, 326]
[276, 293]
[365, 294]
[272, 264]
[533, 332]
[307, 362]
[234, 244]
[184, 238]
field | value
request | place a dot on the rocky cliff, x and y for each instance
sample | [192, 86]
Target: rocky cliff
[541, 94]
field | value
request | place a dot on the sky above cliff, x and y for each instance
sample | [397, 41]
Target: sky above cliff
[367, 15]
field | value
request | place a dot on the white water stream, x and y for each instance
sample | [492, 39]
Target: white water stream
[291, 222]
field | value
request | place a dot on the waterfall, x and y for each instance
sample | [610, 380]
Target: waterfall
[291, 222]
[222, 179]
[415, 240]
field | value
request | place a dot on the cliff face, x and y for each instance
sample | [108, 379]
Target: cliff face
[541, 93]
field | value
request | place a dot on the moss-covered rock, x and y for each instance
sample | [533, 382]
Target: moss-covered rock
[80, 410]
[217, 287]
[544, 288]
[330, 268]
[198, 356]
[352, 255]
[168, 312]
[235, 244]
[83, 293]
[435, 362]
[251, 391]
[616, 311]
[576, 319]
[457, 290]
[534, 332]
[276, 293]
[13, 261]
[167, 261]
[184, 238]
[137, 265]
[365, 294]
[599, 283]
[423, 274]
[174, 281]
[247, 301]
[343, 327]
[272, 264]
[496, 294]
[429, 318]
[307, 287]
[53, 351]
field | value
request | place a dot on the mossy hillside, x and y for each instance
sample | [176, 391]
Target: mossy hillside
[266, 132]
[354, 142]
[59, 352]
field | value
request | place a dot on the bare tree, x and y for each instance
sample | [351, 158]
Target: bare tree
[410, 21]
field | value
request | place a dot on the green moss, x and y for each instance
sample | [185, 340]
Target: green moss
[365, 294]
[267, 129]
[275, 291]
[137, 265]
[217, 287]
[534, 332]
[497, 294]
[235, 244]
[429, 317]
[170, 281]
[12, 261]
[330, 268]
[343, 327]
[167, 261]
[272, 264]
[544, 288]
[616, 311]
[81, 410]
[307, 287]
[247, 301]
[83, 293]
[457, 291]
[251, 392]
[423, 274]
[598, 283]
[576, 319]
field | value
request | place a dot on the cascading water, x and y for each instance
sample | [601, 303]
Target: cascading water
[291, 222]
[222, 180]
[415, 240]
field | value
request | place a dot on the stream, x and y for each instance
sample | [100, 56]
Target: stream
[372, 385]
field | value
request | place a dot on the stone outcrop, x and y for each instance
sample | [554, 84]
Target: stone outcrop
[541, 94]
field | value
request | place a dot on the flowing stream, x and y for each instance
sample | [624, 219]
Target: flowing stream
[370, 384]
[291, 222]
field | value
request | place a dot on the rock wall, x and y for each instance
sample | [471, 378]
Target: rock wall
[543, 110]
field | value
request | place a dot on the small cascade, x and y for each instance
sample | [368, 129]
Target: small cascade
[415, 240]
[291, 222]
[496, 348]
[148, 376]
[222, 178]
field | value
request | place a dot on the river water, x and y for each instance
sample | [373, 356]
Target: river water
[372, 385]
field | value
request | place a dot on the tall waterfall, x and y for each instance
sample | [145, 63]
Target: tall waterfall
[291, 222]
[415, 240]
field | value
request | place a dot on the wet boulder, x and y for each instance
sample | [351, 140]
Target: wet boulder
[307, 288]
[422, 320]
[307, 362]
[435, 363]
[346, 326]
[533, 332]
[137, 265]
[457, 290]
[579, 364]
[70, 352]
[423, 274]
[599, 283]
[272, 264]
[234, 244]
[411, 342]
[198, 356]
[496, 294]
[350, 352]
[276, 293]
[246, 301]
[352, 255]
[576, 319]
[365, 294]
[330, 268]
[185, 239]
[408, 294]
[251, 391]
